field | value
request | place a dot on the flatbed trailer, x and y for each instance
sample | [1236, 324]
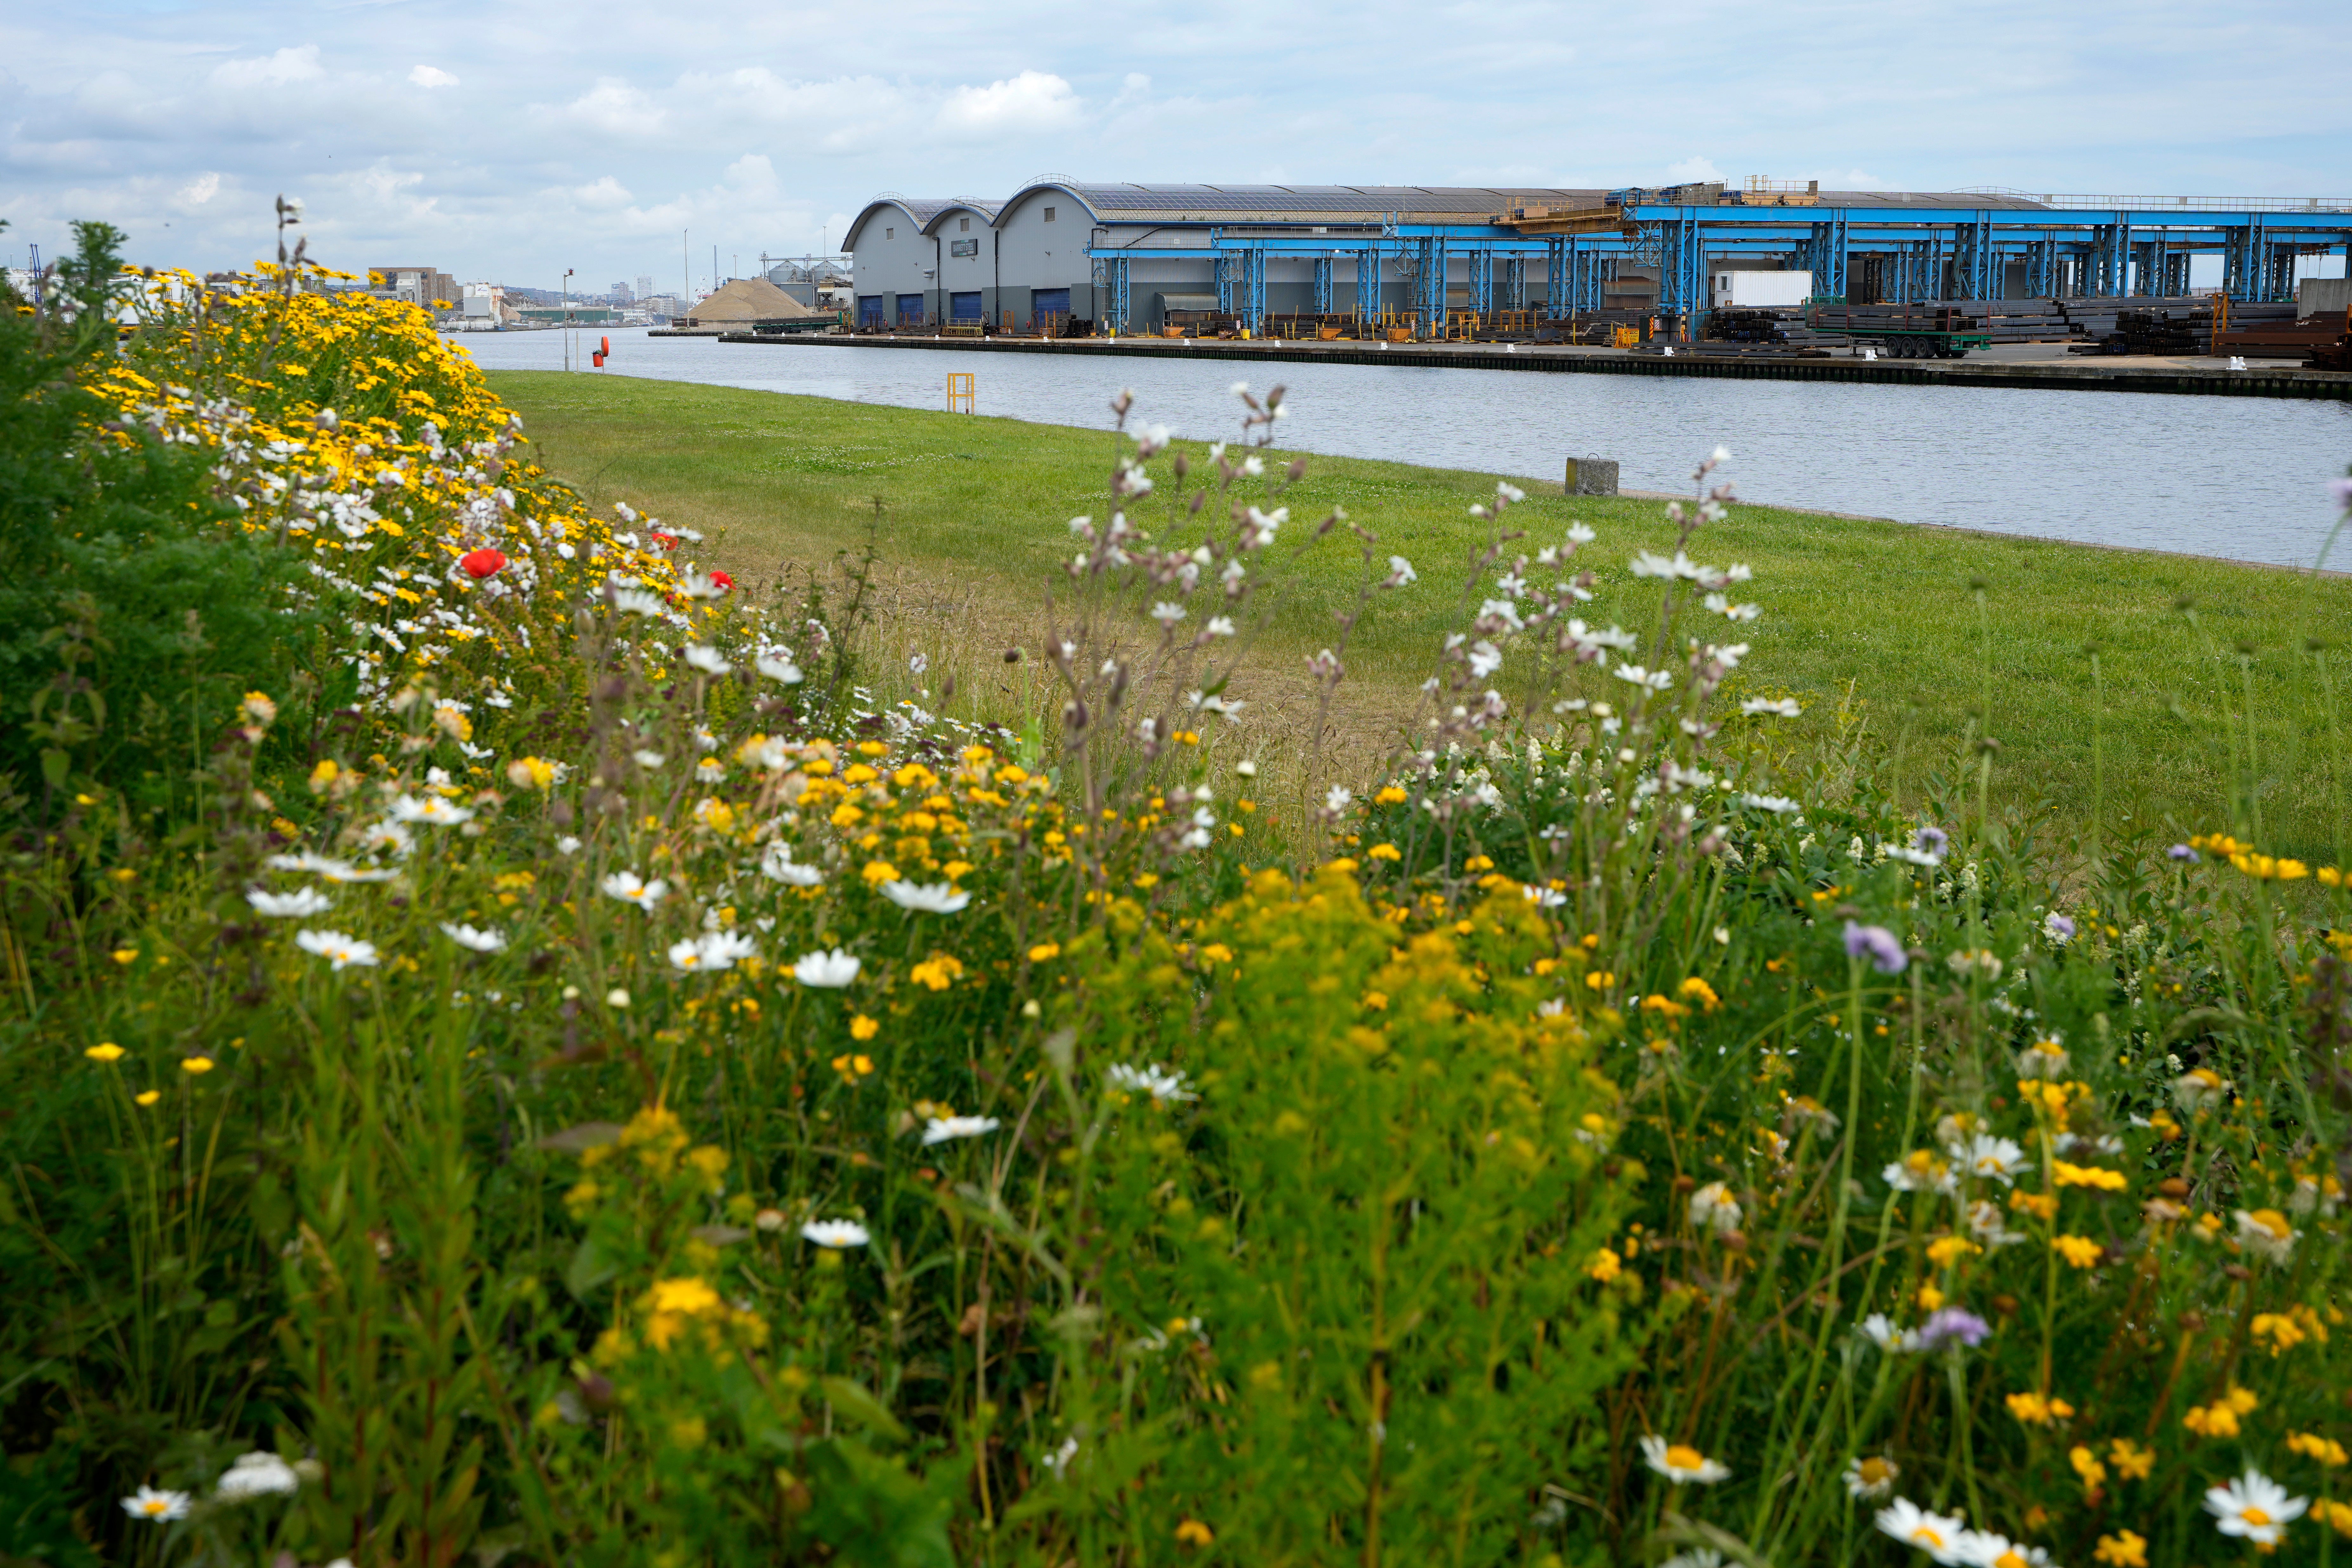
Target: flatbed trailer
[1902, 332]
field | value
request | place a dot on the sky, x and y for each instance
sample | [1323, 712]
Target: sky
[507, 140]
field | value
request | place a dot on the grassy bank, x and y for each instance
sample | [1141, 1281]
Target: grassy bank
[972, 509]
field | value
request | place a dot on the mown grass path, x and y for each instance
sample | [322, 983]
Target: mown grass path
[976, 508]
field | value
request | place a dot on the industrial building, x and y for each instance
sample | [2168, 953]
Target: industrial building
[1126, 258]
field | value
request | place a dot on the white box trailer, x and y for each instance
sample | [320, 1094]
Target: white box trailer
[1760, 290]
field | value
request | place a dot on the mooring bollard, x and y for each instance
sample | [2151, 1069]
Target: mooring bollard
[1592, 476]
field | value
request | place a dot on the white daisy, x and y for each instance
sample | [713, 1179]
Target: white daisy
[2255, 1506]
[473, 940]
[1681, 1463]
[299, 904]
[945, 1129]
[341, 951]
[834, 1233]
[832, 970]
[626, 887]
[936, 898]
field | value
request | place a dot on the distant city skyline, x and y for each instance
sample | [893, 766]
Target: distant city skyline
[510, 145]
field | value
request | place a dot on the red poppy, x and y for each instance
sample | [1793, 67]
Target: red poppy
[723, 580]
[663, 541]
[482, 562]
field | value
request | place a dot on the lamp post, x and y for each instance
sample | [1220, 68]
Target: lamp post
[567, 318]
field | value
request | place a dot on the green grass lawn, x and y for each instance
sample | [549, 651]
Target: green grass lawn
[974, 518]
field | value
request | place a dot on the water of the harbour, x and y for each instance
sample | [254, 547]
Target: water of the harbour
[2241, 478]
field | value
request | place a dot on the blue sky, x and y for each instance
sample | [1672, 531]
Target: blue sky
[511, 141]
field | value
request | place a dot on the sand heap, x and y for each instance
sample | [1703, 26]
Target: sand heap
[747, 300]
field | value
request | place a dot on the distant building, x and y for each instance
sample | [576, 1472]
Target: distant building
[621, 294]
[645, 284]
[424, 285]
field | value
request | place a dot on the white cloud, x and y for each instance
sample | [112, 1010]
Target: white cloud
[614, 105]
[1692, 171]
[606, 192]
[284, 68]
[432, 76]
[1031, 102]
[200, 190]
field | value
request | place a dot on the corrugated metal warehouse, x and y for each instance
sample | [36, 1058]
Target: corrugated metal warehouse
[1123, 257]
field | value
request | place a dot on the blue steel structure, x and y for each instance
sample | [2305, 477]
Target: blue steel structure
[1921, 247]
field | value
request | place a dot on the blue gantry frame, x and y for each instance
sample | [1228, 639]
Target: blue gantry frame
[1924, 253]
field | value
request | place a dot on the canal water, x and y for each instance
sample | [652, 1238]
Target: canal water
[2243, 478]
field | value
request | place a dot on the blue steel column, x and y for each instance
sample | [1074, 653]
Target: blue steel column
[1110, 277]
[1559, 274]
[1368, 283]
[1322, 285]
[1428, 283]
[1226, 263]
[2041, 268]
[1515, 283]
[1254, 261]
[1682, 266]
[1825, 256]
[1976, 261]
[1482, 281]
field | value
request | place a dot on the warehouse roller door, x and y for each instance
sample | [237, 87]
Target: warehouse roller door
[911, 309]
[964, 306]
[1044, 302]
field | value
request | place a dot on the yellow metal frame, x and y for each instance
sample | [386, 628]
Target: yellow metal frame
[959, 392]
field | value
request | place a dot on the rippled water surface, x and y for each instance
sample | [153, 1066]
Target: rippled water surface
[2239, 476]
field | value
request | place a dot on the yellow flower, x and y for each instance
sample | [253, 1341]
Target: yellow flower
[1698, 990]
[2219, 1419]
[1950, 1250]
[2096, 1177]
[938, 971]
[1384, 852]
[1217, 952]
[104, 1051]
[877, 872]
[2282, 1333]
[2079, 1251]
[688, 1295]
[2131, 1461]
[862, 1027]
[148, 1097]
[2337, 1515]
[198, 1066]
[1045, 952]
[2326, 1450]
[125, 954]
[2086, 1465]
[1192, 1533]
[1390, 795]
[2038, 1409]
[1605, 1266]
[2122, 1550]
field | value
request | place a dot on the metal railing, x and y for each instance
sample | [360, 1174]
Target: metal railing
[2178, 204]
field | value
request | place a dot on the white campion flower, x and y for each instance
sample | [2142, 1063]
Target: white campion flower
[1503, 610]
[1655, 680]
[778, 865]
[1157, 1082]
[567, 845]
[829, 969]
[947, 1129]
[339, 950]
[1647, 565]
[935, 898]
[1995, 1158]
[779, 667]
[1253, 466]
[1400, 571]
[2266, 1233]
[627, 886]
[257, 1474]
[1880, 1330]
[1485, 658]
[473, 940]
[635, 601]
[1722, 606]
[2255, 1506]
[432, 809]
[152, 1503]
[1509, 491]
[1544, 898]
[648, 759]
[1940, 1536]
[1221, 626]
[835, 1234]
[1714, 1208]
[1778, 804]
[1337, 798]
[1167, 613]
[299, 904]
[713, 950]
[707, 659]
[1680, 1463]
[1776, 708]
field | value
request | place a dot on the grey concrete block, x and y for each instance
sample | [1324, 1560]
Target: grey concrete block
[1591, 476]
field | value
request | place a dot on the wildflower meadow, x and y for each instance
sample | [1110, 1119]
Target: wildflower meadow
[520, 1047]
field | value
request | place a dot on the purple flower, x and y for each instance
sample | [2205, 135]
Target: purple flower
[2342, 490]
[2059, 927]
[1953, 1323]
[2181, 852]
[1931, 841]
[1878, 944]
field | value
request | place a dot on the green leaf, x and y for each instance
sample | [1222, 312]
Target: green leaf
[851, 1401]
